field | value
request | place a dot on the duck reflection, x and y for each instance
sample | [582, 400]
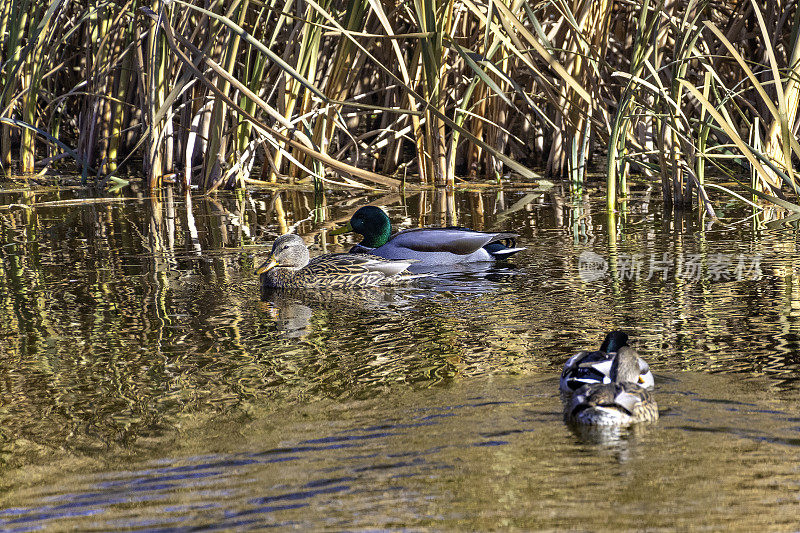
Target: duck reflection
[618, 442]
[615, 436]
[292, 310]
[473, 278]
[292, 320]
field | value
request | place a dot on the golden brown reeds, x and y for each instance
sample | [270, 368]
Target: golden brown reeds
[348, 92]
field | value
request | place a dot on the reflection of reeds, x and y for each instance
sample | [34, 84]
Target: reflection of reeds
[109, 305]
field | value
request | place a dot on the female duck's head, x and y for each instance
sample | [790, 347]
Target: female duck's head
[625, 368]
[371, 223]
[288, 251]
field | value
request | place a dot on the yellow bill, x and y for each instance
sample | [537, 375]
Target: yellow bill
[268, 265]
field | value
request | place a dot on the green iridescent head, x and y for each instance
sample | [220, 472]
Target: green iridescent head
[614, 341]
[371, 223]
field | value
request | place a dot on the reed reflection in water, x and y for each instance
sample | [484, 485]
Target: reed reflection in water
[132, 324]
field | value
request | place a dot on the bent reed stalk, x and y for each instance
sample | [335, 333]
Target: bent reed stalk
[358, 93]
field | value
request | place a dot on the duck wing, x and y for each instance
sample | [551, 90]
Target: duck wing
[584, 368]
[612, 404]
[592, 396]
[459, 241]
[638, 401]
[347, 263]
[597, 365]
[625, 396]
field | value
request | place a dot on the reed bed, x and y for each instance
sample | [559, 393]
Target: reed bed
[696, 95]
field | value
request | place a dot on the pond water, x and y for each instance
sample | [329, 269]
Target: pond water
[148, 383]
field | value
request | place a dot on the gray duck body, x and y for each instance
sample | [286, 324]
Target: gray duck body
[441, 246]
[427, 246]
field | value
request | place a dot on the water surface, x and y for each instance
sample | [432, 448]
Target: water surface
[147, 382]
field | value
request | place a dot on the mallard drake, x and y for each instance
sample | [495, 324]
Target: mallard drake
[595, 367]
[289, 267]
[620, 403]
[429, 246]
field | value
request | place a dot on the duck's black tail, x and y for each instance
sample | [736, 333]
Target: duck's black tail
[503, 249]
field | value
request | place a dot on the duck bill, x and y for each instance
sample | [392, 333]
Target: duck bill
[267, 266]
[346, 228]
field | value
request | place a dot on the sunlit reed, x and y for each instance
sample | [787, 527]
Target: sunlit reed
[381, 95]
